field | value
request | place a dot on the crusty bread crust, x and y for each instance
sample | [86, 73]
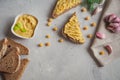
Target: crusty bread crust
[17, 75]
[69, 38]
[11, 62]
[55, 15]
[3, 47]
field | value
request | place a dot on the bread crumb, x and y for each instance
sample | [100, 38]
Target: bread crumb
[47, 36]
[85, 28]
[87, 18]
[89, 36]
[101, 52]
[50, 20]
[55, 29]
[40, 45]
[83, 9]
[47, 44]
[93, 24]
[60, 40]
[49, 24]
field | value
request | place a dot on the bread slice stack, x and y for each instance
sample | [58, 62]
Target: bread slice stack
[72, 30]
[17, 75]
[11, 62]
[64, 5]
[11, 65]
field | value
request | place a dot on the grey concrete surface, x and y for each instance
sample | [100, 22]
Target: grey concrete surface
[60, 61]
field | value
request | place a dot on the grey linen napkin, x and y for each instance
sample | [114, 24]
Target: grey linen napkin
[112, 39]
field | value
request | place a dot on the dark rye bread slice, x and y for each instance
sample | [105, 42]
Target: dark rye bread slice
[3, 47]
[11, 43]
[54, 15]
[11, 62]
[17, 75]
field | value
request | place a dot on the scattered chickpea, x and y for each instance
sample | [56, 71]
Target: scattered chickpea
[60, 40]
[47, 36]
[47, 44]
[85, 28]
[40, 45]
[50, 20]
[83, 9]
[89, 36]
[87, 18]
[93, 24]
[55, 29]
[101, 52]
[49, 24]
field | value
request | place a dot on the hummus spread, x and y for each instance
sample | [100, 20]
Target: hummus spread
[64, 5]
[72, 29]
[25, 25]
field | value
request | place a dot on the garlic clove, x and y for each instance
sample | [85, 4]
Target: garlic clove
[112, 17]
[115, 25]
[97, 10]
[100, 35]
[116, 20]
[117, 30]
[109, 48]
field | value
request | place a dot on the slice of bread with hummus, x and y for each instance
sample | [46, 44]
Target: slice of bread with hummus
[64, 5]
[72, 30]
[11, 62]
[17, 75]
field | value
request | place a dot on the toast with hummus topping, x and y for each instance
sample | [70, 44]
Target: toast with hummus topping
[64, 5]
[11, 62]
[17, 75]
[72, 30]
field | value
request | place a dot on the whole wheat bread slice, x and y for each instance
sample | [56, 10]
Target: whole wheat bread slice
[11, 62]
[61, 6]
[17, 75]
[3, 47]
[70, 30]
[11, 43]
